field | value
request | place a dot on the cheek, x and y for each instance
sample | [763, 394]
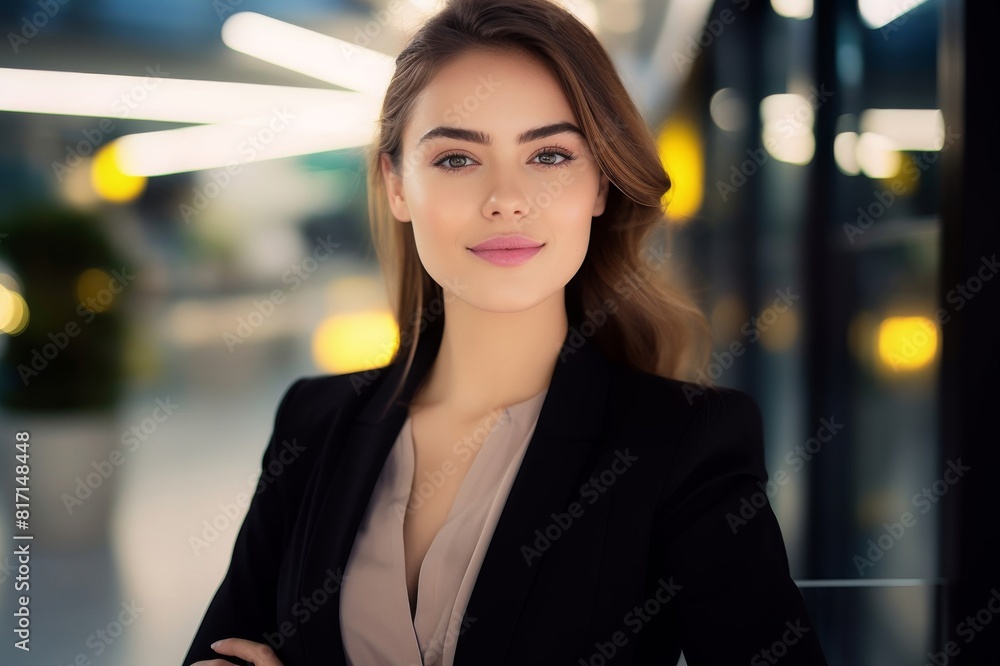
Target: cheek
[438, 197]
[571, 212]
[573, 193]
[569, 218]
[418, 193]
[578, 237]
[436, 218]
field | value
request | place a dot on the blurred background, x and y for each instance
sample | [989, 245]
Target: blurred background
[171, 259]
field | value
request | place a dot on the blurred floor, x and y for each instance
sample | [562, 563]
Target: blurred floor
[201, 457]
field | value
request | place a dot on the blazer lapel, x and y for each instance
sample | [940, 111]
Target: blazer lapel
[564, 441]
[568, 426]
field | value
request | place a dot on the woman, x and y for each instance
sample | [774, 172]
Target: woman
[526, 482]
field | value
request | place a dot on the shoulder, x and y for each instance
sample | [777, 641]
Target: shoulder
[309, 403]
[682, 408]
[311, 397]
[302, 420]
[702, 434]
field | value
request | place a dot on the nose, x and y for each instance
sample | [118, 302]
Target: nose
[507, 204]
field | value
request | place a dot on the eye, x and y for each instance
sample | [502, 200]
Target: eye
[447, 159]
[548, 156]
[566, 154]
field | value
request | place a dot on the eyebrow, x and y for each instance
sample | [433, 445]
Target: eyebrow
[476, 136]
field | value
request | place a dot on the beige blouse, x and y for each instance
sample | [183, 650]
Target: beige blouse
[375, 619]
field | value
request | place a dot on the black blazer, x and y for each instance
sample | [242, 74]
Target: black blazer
[617, 538]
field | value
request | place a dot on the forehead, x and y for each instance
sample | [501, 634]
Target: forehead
[499, 92]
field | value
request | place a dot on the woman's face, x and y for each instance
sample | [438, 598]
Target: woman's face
[471, 173]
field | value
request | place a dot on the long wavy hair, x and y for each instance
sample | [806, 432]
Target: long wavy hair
[656, 327]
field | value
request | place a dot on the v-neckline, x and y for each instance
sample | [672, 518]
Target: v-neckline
[409, 469]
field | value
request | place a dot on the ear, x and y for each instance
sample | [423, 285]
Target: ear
[394, 189]
[602, 195]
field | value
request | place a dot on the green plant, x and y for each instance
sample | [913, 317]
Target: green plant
[69, 356]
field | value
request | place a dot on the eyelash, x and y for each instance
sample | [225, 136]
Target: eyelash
[549, 150]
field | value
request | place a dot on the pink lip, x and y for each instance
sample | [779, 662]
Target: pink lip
[507, 250]
[506, 243]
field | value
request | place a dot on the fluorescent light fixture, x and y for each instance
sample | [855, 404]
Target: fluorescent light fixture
[215, 146]
[155, 97]
[235, 123]
[909, 129]
[797, 9]
[308, 52]
[877, 13]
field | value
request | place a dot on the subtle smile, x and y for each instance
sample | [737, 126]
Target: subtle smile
[507, 250]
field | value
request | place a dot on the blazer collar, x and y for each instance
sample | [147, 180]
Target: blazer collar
[565, 436]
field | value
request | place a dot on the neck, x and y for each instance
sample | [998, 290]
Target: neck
[488, 360]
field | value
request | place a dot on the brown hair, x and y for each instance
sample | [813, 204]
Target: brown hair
[655, 325]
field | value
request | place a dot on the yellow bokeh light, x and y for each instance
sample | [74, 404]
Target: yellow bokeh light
[906, 178]
[93, 290]
[108, 179]
[681, 153]
[878, 155]
[356, 341]
[6, 307]
[906, 343]
[13, 312]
